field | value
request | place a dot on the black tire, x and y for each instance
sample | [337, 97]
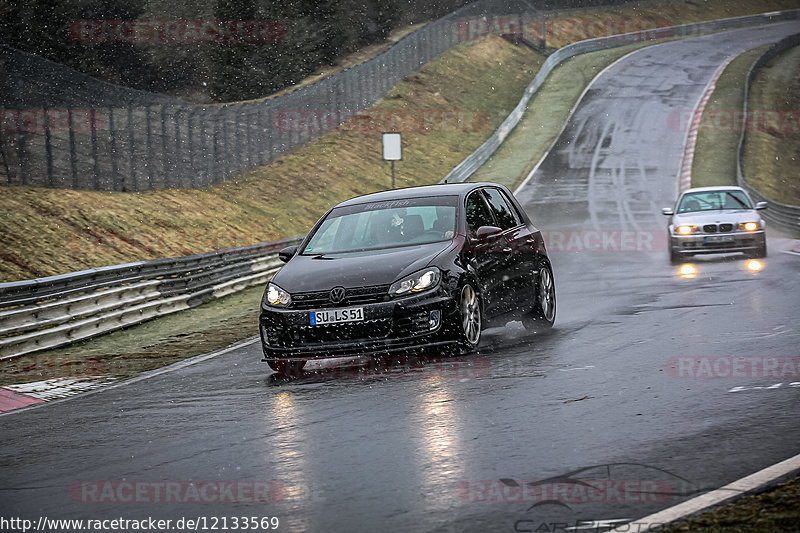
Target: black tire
[287, 368]
[543, 314]
[470, 318]
[760, 252]
[675, 258]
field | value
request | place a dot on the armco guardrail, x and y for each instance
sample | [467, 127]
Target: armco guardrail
[477, 158]
[54, 311]
[786, 217]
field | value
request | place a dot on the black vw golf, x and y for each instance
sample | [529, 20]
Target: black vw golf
[406, 270]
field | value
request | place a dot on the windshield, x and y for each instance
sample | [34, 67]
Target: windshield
[389, 224]
[714, 200]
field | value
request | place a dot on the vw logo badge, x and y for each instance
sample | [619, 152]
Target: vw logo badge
[337, 294]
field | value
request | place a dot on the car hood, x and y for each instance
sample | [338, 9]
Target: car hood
[732, 216]
[307, 273]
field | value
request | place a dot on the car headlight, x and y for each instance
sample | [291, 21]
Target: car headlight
[276, 297]
[685, 230]
[417, 282]
[748, 226]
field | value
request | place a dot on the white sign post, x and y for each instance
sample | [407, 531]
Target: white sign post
[392, 150]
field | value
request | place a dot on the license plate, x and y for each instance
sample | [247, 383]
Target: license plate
[337, 316]
[720, 238]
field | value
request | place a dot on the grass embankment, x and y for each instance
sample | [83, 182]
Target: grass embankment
[773, 511]
[714, 161]
[772, 151]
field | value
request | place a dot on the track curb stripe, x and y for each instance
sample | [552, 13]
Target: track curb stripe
[685, 174]
[11, 400]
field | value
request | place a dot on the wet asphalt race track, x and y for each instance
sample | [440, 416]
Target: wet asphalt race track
[449, 445]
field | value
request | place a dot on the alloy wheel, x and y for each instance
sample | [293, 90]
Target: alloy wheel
[470, 315]
[547, 294]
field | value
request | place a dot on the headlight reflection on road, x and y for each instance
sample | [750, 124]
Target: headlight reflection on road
[688, 270]
[754, 265]
[286, 440]
[440, 433]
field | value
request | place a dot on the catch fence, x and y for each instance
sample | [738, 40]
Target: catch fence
[63, 129]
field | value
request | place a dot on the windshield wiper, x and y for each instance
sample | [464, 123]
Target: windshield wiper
[741, 203]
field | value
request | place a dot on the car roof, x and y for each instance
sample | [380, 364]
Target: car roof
[444, 189]
[715, 188]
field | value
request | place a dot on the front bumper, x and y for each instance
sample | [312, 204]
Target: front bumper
[718, 243]
[397, 325]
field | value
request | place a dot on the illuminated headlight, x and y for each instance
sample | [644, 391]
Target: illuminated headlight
[276, 296]
[418, 282]
[685, 230]
[748, 226]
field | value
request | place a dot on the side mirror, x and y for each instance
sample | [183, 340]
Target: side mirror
[761, 205]
[667, 211]
[487, 231]
[287, 253]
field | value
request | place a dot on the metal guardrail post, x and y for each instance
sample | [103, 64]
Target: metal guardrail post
[48, 148]
[131, 151]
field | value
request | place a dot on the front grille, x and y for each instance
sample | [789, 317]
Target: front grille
[740, 242]
[357, 296]
[349, 331]
[292, 336]
[722, 228]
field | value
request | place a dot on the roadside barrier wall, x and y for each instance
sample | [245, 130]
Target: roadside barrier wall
[784, 216]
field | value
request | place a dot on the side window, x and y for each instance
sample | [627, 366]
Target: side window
[478, 213]
[503, 212]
